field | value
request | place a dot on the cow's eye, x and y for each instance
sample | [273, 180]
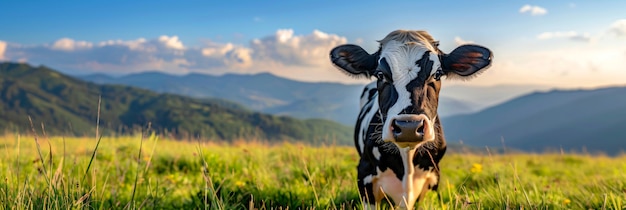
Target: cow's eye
[381, 77]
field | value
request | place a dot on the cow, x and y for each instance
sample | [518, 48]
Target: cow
[398, 134]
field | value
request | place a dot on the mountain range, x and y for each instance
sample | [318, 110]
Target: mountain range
[268, 93]
[571, 120]
[61, 104]
[261, 92]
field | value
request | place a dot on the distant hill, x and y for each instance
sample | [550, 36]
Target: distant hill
[270, 94]
[482, 97]
[66, 105]
[452, 106]
[592, 120]
[261, 92]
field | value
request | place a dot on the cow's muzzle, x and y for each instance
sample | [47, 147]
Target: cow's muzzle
[410, 129]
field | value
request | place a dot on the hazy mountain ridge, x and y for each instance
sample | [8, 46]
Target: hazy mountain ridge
[567, 119]
[270, 94]
[487, 96]
[65, 105]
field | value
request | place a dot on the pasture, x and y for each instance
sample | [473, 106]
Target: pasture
[152, 172]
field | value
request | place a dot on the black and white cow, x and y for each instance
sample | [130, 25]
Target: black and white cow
[398, 134]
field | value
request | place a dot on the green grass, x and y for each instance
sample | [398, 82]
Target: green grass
[154, 173]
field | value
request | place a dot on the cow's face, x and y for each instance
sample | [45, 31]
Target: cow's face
[408, 66]
[408, 91]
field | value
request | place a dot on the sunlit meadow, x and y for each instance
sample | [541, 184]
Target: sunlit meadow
[154, 172]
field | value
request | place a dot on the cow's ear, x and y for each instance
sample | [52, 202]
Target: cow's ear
[354, 60]
[466, 60]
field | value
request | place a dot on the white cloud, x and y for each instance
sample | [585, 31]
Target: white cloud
[3, 47]
[572, 35]
[286, 48]
[68, 44]
[284, 53]
[171, 42]
[533, 10]
[226, 55]
[131, 44]
[460, 41]
[619, 27]
[113, 56]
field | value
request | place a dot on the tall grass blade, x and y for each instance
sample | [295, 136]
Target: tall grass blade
[98, 139]
[132, 198]
[41, 159]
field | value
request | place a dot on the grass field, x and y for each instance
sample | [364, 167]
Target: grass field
[154, 173]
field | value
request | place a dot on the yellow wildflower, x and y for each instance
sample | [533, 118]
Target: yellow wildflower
[566, 201]
[240, 184]
[172, 178]
[476, 168]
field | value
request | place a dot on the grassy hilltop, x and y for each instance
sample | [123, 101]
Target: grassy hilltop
[156, 173]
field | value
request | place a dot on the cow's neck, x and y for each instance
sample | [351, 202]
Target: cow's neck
[413, 181]
[407, 154]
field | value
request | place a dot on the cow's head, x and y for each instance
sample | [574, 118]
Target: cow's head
[408, 67]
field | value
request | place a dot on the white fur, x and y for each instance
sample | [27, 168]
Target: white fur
[376, 153]
[368, 179]
[365, 125]
[408, 195]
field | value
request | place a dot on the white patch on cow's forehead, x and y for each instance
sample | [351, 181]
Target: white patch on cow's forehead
[402, 58]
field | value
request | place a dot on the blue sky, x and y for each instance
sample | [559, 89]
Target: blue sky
[558, 43]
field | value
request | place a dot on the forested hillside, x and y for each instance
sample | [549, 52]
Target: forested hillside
[65, 105]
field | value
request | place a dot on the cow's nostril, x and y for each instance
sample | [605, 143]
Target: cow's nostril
[420, 129]
[395, 128]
